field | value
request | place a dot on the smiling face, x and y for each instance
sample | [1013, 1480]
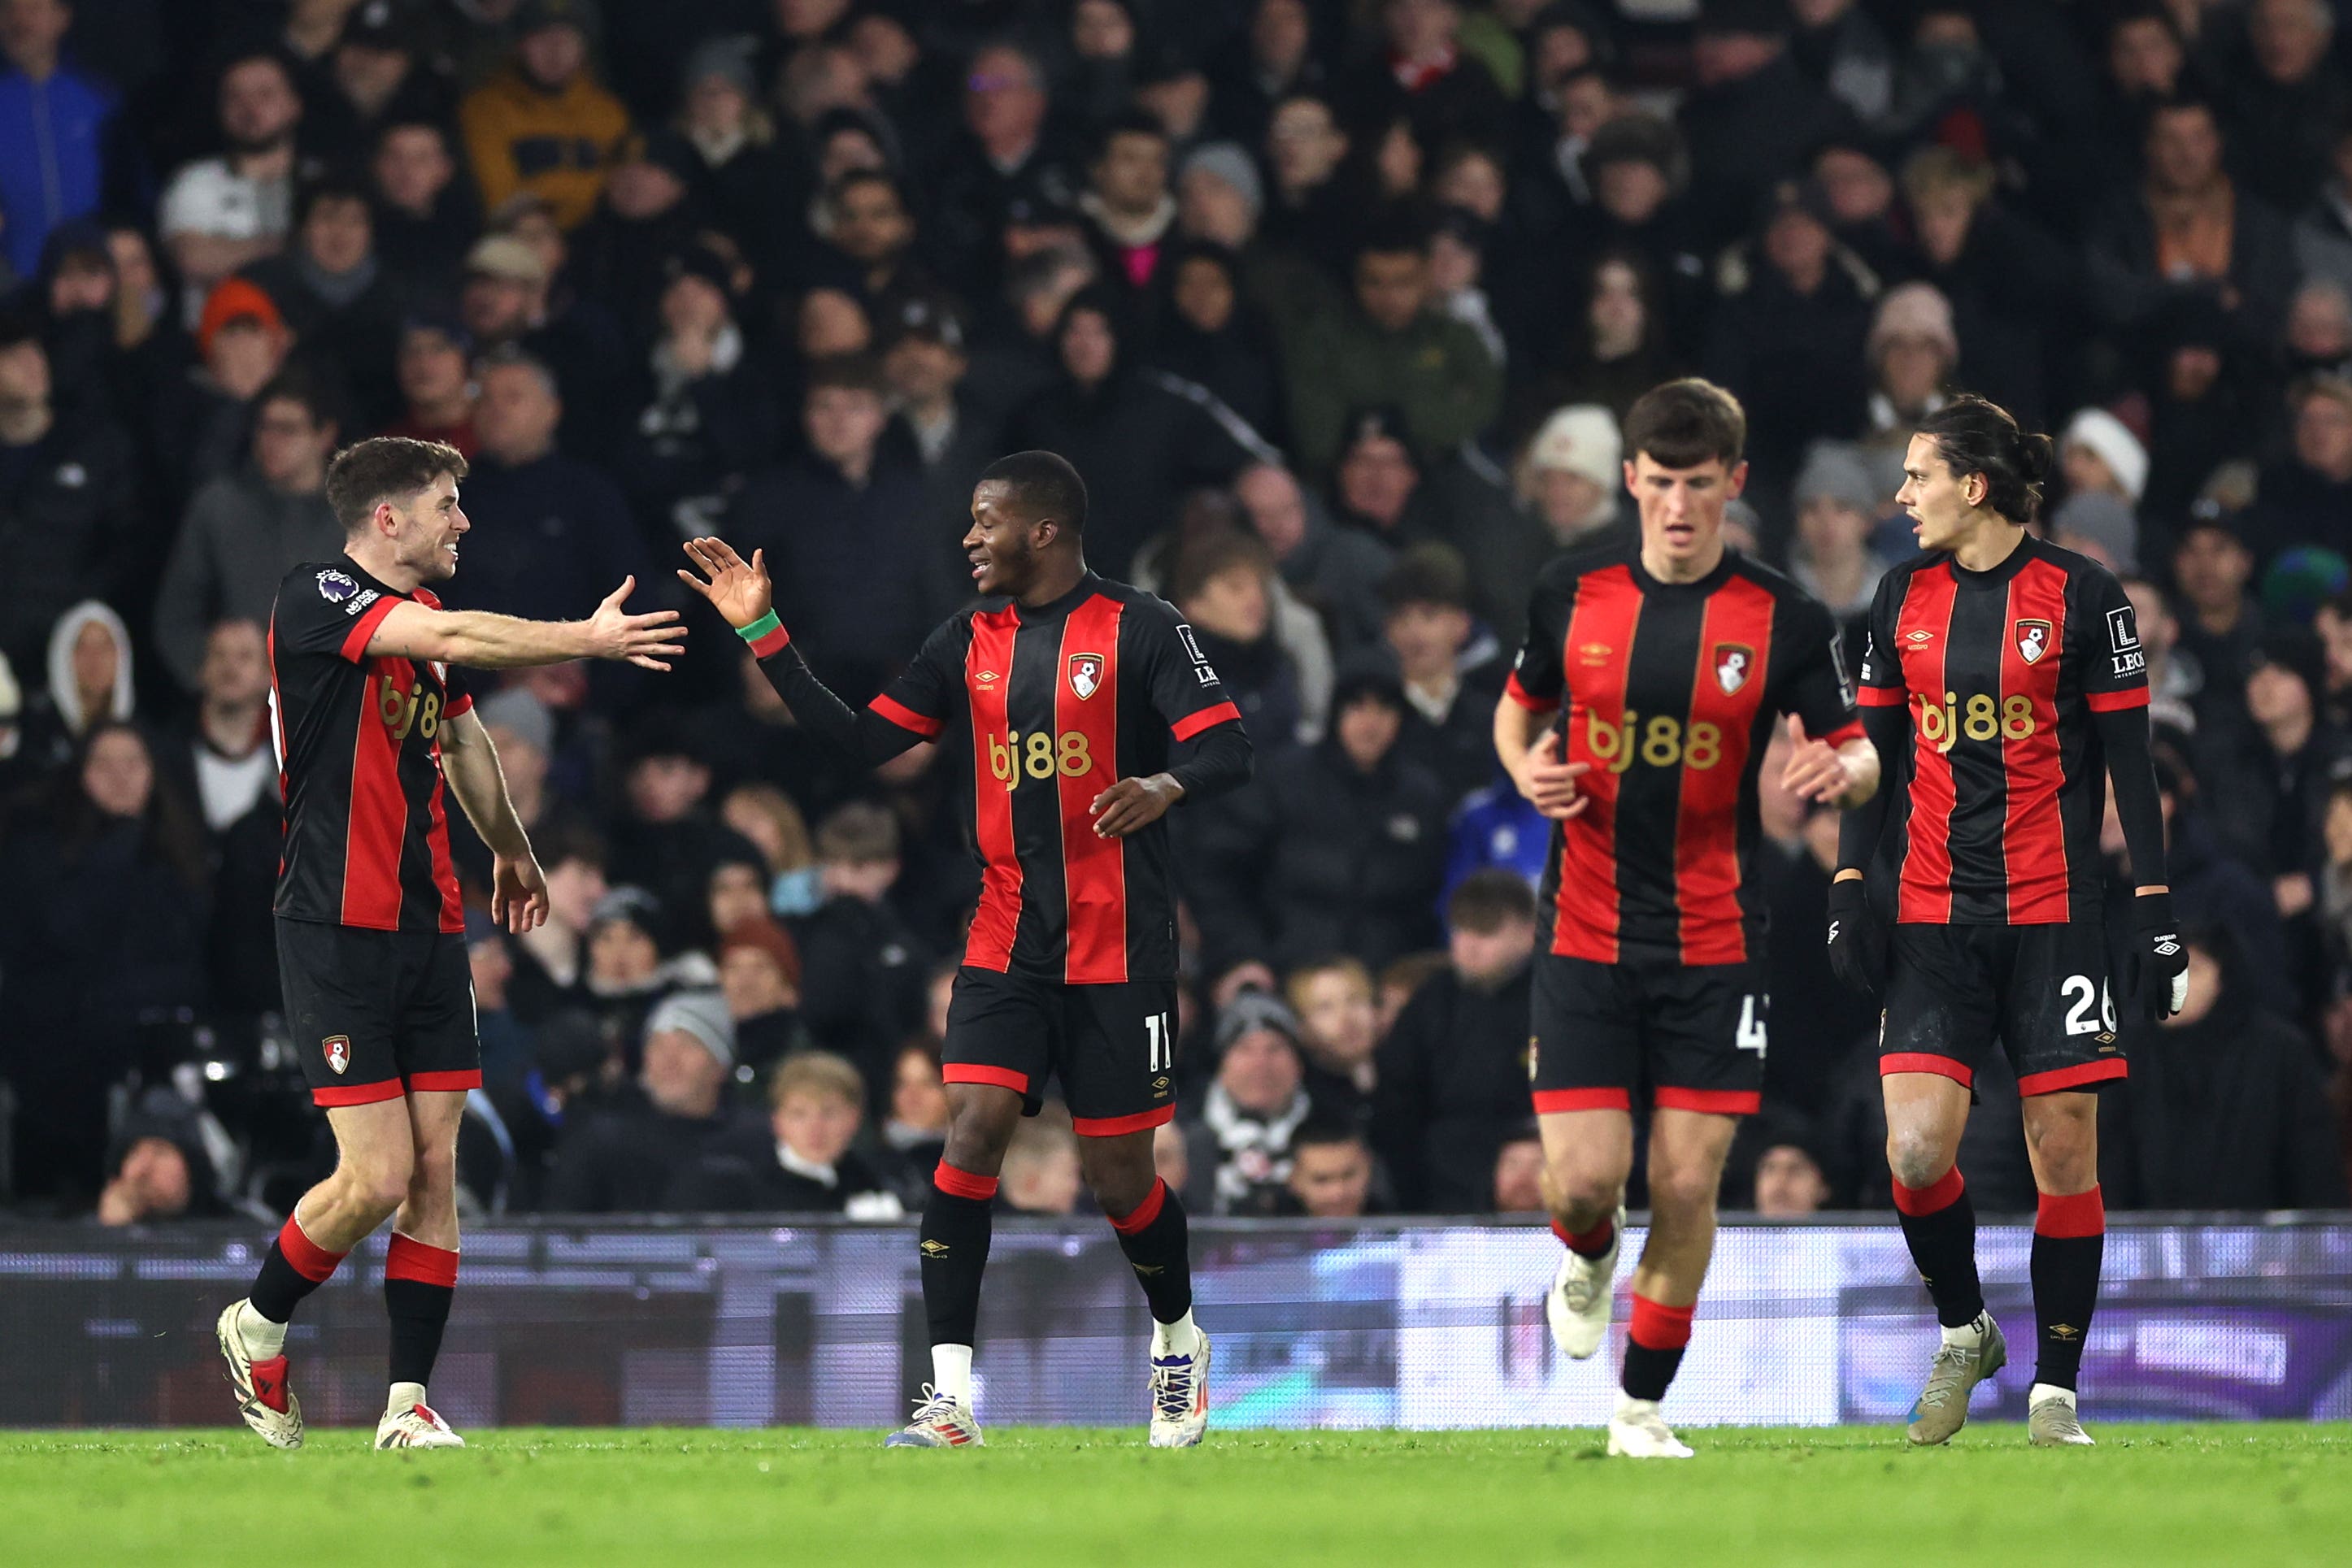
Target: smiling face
[425, 530]
[1682, 509]
[1003, 540]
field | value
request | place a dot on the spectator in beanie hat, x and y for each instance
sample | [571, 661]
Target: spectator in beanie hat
[759, 974]
[621, 1160]
[2097, 453]
[1256, 1103]
[1838, 501]
[1569, 476]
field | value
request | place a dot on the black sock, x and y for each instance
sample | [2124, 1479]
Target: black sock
[1655, 1338]
[419, 1284]
[955, 1232]
[1940, 1224]
[2069, 1242]
[1155, 1240]
[294, 1267]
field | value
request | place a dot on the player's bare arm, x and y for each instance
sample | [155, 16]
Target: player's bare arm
[480, 639]
[1844, 776]
[469, 760]
[1531, 753]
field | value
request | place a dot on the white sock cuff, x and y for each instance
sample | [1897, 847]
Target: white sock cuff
[2042, 1391]
[951, 1371]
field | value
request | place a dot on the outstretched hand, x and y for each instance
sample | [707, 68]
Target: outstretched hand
[645, 641]
[739, 592]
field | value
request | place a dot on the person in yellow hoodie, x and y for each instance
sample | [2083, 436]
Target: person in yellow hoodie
[543, 124]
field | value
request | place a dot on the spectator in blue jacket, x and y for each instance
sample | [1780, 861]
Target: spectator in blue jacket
[53, 130]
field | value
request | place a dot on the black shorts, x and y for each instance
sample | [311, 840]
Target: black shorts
[377, 1013]
[1113, 1047]
[2042, 989]
[1690, 1037]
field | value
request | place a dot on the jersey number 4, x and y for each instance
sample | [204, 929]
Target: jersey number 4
[1752, 1012]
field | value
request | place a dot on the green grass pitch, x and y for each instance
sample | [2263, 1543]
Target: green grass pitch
[2237, 1494]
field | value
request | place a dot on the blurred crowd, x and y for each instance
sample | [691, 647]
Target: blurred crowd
[1336, 304]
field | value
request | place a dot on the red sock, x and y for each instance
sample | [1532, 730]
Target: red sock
[1590, 1243]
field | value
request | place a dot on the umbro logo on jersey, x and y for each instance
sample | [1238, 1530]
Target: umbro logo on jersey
[985, 676]
[1593, 654]
[1919, 636]
[1086, 674]
[1733, 663]
[2168, 945]
[338, 1047]
[2032, 639]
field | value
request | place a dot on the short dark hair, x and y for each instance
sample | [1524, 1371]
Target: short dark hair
[1043, 485]
[1682, 424]
[1429, 573]
[334, 187]
[848, 372]
[1488, 900]
[296, 385]
[1203, 560]
[1397, 235]
[1130, 122]
[1328, 1131]
[1977, 436]
[562, 844]
[383, 468]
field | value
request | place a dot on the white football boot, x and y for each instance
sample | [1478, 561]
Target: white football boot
[410, 1423]
[264, 1401]
[1180, 1396]
[1636, 1431]
[1583, 1295]
[940, 1422]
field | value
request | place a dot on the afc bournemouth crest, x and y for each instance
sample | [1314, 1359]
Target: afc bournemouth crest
[2032, 639]
[338, 1047]
[1733, 663]
[1086, 673]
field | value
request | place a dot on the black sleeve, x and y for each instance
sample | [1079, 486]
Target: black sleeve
[1862, 830]
[913, 709]
[324, 610]
[2106, 638]
[1538, 677]
[2123, 733]
[1187, 696]
[1886, 720]
[1809, 679]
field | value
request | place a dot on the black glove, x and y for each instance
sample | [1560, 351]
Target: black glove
[1857, 940]
[2159, 962]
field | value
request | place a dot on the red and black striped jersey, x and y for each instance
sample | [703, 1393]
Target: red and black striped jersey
[1999, 673]
[1060, 701]
[358, 759]
[1671, 691]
